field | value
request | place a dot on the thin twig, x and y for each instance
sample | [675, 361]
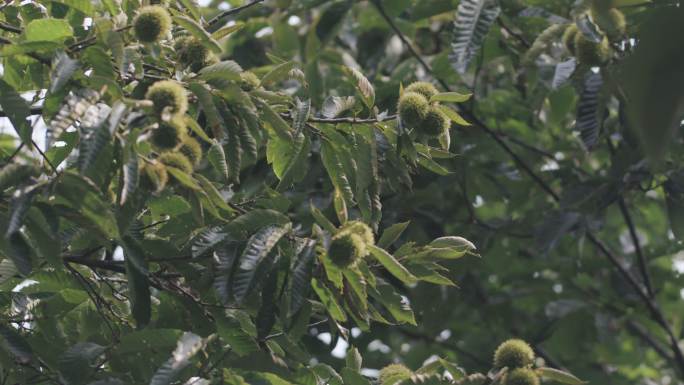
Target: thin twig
[641, 259]
[9, 159]
[45, 158]
[275, 335]
[405, 41]
[232, 11]
[517, 36]
[656, 313]
[345, 120]
[88, 41]
[643, 269]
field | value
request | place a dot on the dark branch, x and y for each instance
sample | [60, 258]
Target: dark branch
[406, 42]
[654, 309]
[656, 313]
[643, 269]
[345, 120]
[45, 158]
[509, 31]
[232, 11]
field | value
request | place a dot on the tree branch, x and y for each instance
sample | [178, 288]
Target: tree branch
[656, 313]
[406, 42]
[643, 269]
[232, 11]
[344, 120]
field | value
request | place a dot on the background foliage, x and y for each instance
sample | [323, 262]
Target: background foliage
[562, 168]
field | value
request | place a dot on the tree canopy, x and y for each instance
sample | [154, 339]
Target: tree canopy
[455, 192]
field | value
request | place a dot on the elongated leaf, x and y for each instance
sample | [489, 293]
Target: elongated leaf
[131, 176]
[16, 344]
[559, 376]
[392, 265]
[473, 20]
[457, 246]
[192, 8]
[278, 73]
[589, 29]
[7, 270]
[76, 363]
[674, 199]
[335, 169]
[452, 97]
[17, 110]
[328, 299]
[391, 234]
[206, 101]
[396, 304]
[290, 166]
[266, 316]
[225, 70]
[206, 240]
[587, 110]
[64, 67]
[20, 253]
[563, 72]
[217, 158]
[362, 84]
[184, 178]
[301, 277]
[225, 31]
[257, 249]
[86, 199]
[198, 32]
[454, 116]
[300, 114]
[138, 283]
[279, 126]
[188, 345]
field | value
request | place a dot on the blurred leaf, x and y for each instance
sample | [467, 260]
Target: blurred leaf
[17, 110]
[473, 20]
[559, 376]
[48, 30]
[198, 32]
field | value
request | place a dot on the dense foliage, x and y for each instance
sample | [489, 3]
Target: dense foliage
[226, 193]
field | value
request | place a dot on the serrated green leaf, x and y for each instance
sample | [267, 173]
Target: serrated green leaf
[225, 70]
[452, 97]
[362, 84]
[278, 73]
[559, 376]
[392, 265]
[328, 299]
